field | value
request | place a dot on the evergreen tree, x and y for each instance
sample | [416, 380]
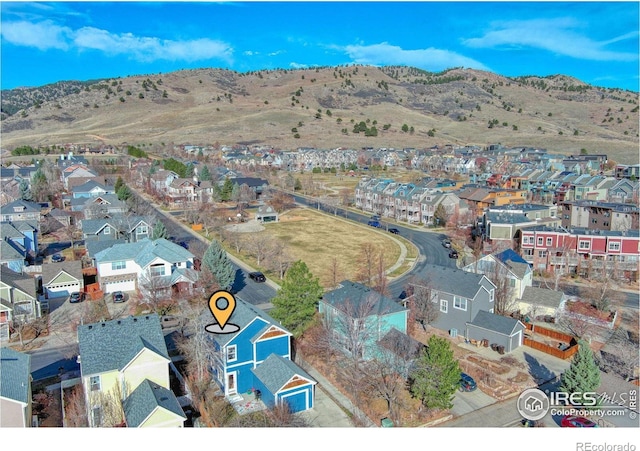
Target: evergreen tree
[25, 190]
[297, 185]
[205, 174]
[440, 216]
[119, 184]
[216, 260]
[189, 171]
[159, 231]
[227, 189]
[583, 375]
[295, 302]
[437, 375]
[124, 193]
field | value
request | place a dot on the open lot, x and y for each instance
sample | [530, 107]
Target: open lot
[317, 238]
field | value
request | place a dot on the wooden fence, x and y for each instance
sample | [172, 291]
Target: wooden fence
[548, 349]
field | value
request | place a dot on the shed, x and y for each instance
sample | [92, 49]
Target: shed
[501, 330]
[266, 213]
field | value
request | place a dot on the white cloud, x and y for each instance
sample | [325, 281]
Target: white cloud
[429, 59]
[47, 35]
[555, 35]
[43, 36]
[298, 65]
[277, 52]
[150, 49]
[249, 53]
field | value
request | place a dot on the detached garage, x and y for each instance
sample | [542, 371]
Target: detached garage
[61, 279]
[282, 381]
[501, 330]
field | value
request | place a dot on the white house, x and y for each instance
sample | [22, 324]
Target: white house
[130, 266]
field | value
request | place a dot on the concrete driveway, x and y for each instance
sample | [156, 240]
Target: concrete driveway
[326, 413]
[465, 402]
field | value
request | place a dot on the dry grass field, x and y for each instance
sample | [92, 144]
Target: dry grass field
[316, 239]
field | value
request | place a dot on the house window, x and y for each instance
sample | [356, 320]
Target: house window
[443, 305]
[549, 241]
[542, 254]
[584, 244]
[434, 296]
[540, 241]
[528, 252]
[231, 354]
[512, 282]
[94, 383]
[491, 295]
[460, 303]
[118, 265]
[107, 230]
[157, 270]
[142, 230]
[614, 246]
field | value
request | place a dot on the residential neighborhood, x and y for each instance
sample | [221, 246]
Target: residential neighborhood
[350, 271]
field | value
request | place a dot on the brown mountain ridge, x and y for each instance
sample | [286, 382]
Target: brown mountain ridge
[328, 107]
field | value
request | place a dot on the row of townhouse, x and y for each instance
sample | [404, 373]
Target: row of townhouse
[415, 203]
[587, 253]
[595, 215]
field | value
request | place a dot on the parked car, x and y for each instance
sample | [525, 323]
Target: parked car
[118, 296]
[394, 231]
[446, 243]
[55, 258]
[467, 383]
[76, 296]
[573, 421]
[453, 254]
[257, 276]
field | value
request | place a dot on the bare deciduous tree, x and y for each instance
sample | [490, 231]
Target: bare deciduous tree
[366, 269]
[422, 301]
[260, 246]
[75, 408]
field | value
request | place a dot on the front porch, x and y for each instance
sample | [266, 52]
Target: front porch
[246, 402]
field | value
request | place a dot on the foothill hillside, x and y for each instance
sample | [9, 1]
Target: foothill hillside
[328, 107]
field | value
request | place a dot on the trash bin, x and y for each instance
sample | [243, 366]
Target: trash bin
[500, 349]
[386, 423]
[485, 342]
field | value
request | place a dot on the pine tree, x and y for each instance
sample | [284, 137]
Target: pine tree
[437, 376]
[227, 189]
[205, 174]
[216, 260]
[25, 191]
[124, 193]
[118, 185]
[583, 375]
[159, 231]
[296, 301]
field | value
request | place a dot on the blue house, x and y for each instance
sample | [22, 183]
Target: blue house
[258, 357]
[20, 242]
[360, 317]
[91, 189]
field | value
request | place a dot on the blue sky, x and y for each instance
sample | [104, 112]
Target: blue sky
[596, 42]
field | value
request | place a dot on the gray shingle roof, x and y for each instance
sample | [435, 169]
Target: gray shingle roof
[95, 246]
[357, 294]
[276, 371]
[51, 270]
[25, 283]
[452, 280]
[110, 345]
[144, 252]
[15, 374]
[497, 323]
[8, 252]
[542, 296]
[145, 399]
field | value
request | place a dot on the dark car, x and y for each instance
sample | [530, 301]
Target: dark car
[467, 383]
[257, 276]
[394, 231]
[118, 296]
[374, 224]
[453, 254]
[57, 258]
[76, 296]
[573, 421]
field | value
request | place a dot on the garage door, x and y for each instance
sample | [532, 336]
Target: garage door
[297, 401]
[124, 285]
[62, 290]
